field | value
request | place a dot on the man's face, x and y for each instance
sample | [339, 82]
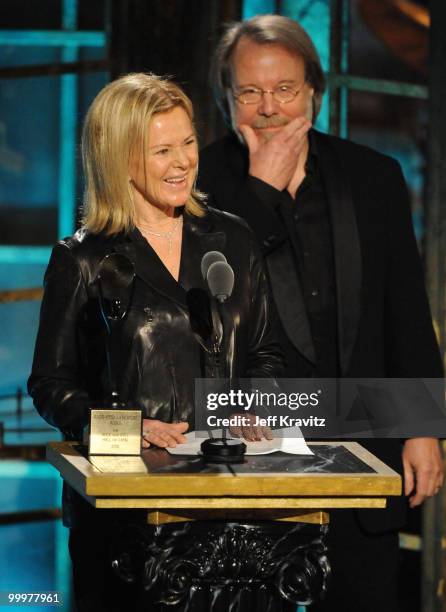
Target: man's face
[266, 67]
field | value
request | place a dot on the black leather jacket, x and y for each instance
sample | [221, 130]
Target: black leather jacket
[160, 355]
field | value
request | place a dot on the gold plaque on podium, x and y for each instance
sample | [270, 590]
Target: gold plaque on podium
[115, 432]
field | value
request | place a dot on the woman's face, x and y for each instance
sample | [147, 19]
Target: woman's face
[165, 174]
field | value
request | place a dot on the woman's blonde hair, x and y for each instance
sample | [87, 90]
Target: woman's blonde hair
[116, 122]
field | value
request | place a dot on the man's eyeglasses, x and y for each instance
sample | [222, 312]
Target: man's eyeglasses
[252, 95]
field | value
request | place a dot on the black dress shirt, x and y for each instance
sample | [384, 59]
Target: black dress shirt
[307, 222]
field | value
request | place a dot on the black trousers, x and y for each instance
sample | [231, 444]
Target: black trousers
[96, 587]
[364, 568]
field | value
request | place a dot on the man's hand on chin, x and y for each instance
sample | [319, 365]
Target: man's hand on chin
[273, 160]
[423, 469]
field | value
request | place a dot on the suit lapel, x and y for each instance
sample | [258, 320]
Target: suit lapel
[346, 247]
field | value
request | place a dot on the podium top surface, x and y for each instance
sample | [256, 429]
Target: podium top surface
[337, 469]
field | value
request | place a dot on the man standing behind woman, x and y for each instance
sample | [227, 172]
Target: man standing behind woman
[334, 223]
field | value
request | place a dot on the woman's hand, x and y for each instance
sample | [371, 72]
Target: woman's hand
[164, 435]
[250, 431]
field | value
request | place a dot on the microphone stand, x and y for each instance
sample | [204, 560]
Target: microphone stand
[112, 321]
[217, 450]
[114, 429]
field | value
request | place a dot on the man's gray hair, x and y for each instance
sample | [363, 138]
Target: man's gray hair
[265, 29]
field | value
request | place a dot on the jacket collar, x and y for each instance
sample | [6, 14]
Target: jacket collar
[199, 236]
[346, 245]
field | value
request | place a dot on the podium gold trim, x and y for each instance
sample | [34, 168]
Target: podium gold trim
[283, 495]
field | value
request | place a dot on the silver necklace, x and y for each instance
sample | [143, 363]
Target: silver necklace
[165, 235]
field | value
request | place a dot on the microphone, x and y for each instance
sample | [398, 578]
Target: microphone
[220, 278]
[208, 259]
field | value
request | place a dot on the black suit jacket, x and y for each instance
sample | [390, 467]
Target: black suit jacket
[384, 321]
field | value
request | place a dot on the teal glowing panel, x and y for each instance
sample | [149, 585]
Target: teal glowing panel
[52, 38]
[18, 332]
[28, 139]
[68, 130]
[33, 556]
[69, 14]
[257, 7]
[314, 17]
[68, 136]
[24, 255]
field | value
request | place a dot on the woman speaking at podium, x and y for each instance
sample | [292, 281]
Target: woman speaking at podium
[140, 158]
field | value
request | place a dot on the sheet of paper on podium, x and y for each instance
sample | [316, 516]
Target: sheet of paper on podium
[288, 440]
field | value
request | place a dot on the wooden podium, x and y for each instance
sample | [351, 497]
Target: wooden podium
[247, 536]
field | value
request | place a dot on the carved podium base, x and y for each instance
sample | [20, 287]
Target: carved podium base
[220, 566]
